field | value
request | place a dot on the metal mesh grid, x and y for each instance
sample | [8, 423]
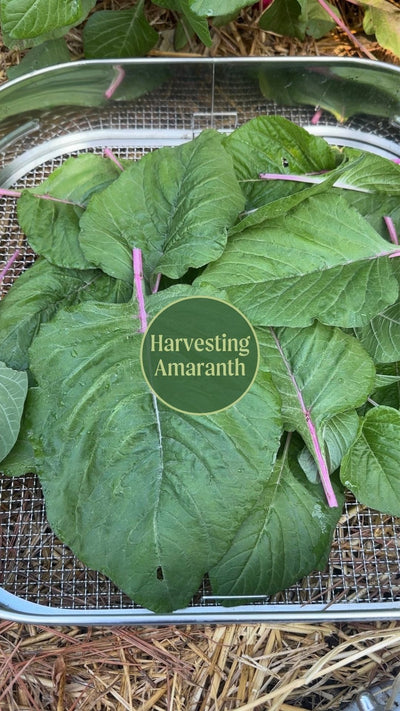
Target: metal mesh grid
[364, 563]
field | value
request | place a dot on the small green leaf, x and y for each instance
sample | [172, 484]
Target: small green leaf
[371, 468]
[314, 19]
[51, 227]
[118, 33]
[382, 18]
[49, 53]
[209, 8]
[283, 17]
[38, 294]
[13, 390]
[287, 534]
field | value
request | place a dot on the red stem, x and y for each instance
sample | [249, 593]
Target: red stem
[315, 119]
[107, 153]
[120, 76]
[345, 29]
[156, 284]
[321, 461]
[138, 281]
[9, 264]
[17, 194]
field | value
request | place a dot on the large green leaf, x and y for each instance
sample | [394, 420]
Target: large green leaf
[319, 372]
[151, 497]
[51, 52]
[38, 294]
[272, 144]
[29, 22]
[321, 260]
[175, 204]
[52, 227]
[118, 33]
[287, 534]
[13, 389]
[371, 468]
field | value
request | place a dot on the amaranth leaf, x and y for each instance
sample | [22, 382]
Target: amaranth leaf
[175, 204]
[150, 497]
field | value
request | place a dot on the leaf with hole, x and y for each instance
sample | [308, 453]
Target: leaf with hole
[132, 486]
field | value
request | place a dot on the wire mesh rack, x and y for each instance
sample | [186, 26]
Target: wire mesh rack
[40, 579]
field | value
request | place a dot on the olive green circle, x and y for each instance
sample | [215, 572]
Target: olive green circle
[199, 355]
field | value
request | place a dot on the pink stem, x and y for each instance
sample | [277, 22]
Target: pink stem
[9, 264]
[156, 284]
[396, 160]
[17, 194]
[393, 254]
[345, 29]
[391, 229]
[321, 461]
[315, 119]
[138, 280]
[120, 76]
[107, 153]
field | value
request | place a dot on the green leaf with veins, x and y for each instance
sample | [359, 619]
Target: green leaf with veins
[175, 204]
[149, 496]
[287, 533]
[52, 226]
[118, 33]
[26, 23]
[371, 468]
[320, 373]
[38, 294]
[338, 434]
[320, 260]
[272, 144]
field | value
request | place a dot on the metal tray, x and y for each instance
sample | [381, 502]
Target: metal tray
[132, 108]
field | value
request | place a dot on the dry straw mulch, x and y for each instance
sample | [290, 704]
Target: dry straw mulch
[201, 668]
[194, 668]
